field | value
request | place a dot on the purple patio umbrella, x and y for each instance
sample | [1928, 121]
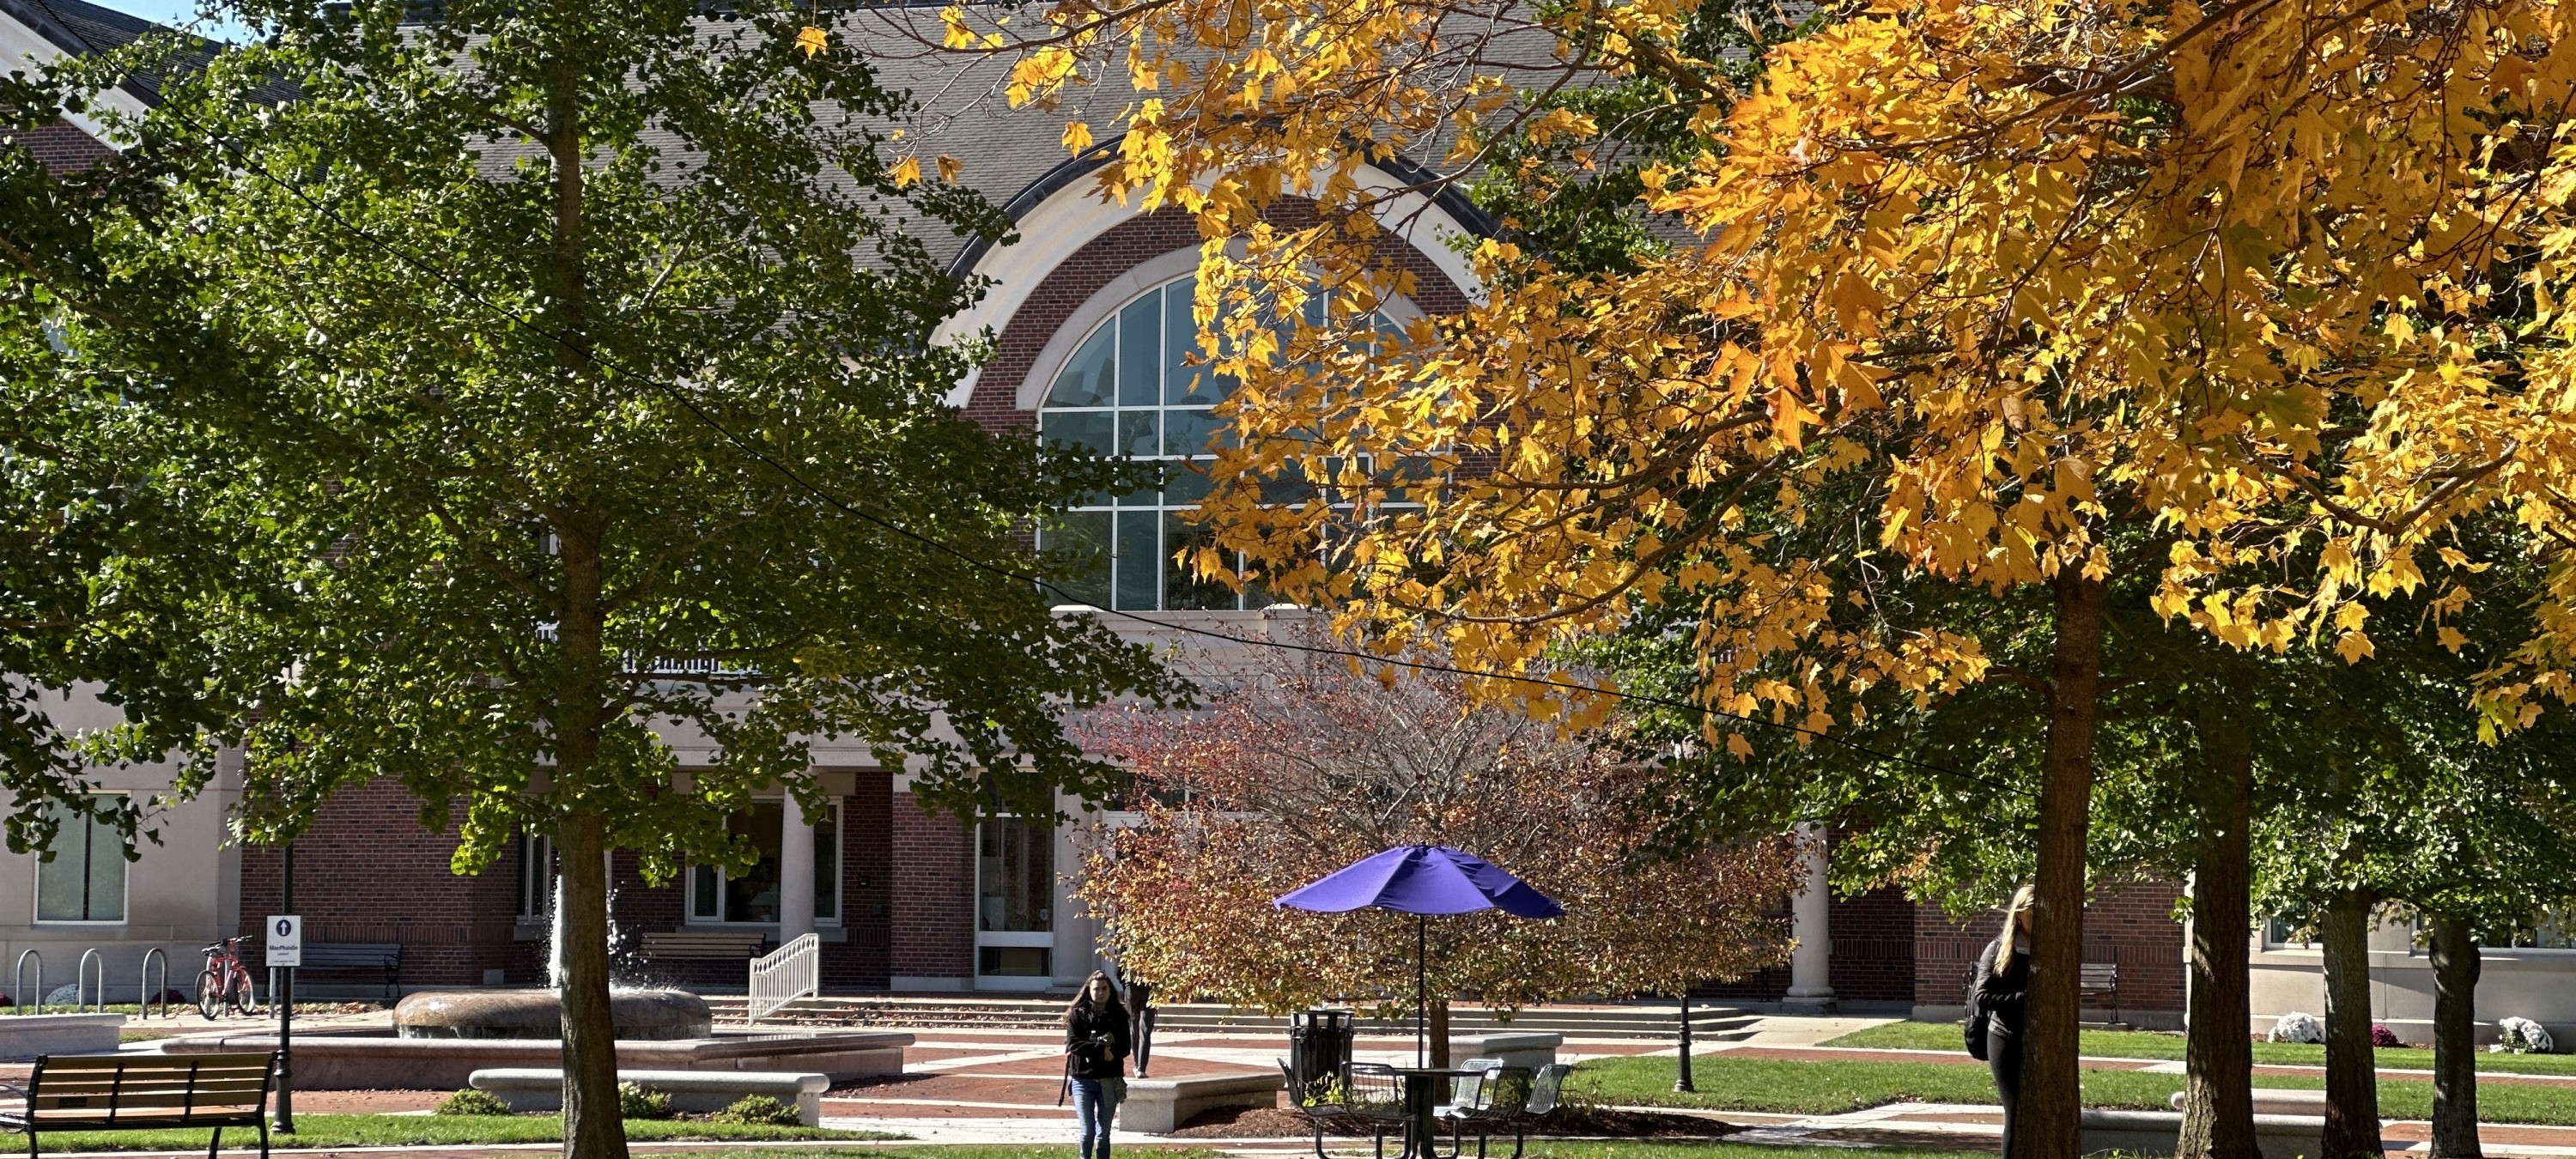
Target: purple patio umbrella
[1421, 880]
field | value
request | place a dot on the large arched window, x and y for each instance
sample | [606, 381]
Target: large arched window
[1130, 389]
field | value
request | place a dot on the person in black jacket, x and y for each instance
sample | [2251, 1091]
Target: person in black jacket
[1996, 997]
[1095, 1050]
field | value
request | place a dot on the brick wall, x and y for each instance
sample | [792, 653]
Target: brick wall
[368, 871]
[1873, 955]
[933, 899]
[61, 146]
[2130, 925]
[863, 961]
[1873, 947]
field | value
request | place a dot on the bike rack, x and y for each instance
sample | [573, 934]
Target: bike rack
[80, 982]
[145, 994]
[18, 982]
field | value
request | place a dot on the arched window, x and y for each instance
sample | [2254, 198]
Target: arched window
[1130, 389]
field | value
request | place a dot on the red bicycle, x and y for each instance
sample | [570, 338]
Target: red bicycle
[225, 983]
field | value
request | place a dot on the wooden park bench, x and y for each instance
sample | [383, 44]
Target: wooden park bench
[356, 958]
[145, 1092]
[2098, 981]
[725, 944]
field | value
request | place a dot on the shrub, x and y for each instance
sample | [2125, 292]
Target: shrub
[2522, 1036]
[757, 1111]
[634, 1102]
[473, 1102]
[2381, 1035]
[2298, 1026]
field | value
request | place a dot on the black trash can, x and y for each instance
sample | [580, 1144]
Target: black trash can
[1319, 1044]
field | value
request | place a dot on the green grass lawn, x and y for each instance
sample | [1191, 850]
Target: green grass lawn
[1538, 1149]
[1824, 1088]
[2168, 1047]
[402, 1130]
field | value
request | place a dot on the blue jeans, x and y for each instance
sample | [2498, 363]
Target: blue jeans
[1091, 1109]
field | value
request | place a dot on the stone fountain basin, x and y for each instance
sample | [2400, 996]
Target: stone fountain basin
[538, 1014]
[377, 1060]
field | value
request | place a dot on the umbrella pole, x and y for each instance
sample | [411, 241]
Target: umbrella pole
[1421, 992]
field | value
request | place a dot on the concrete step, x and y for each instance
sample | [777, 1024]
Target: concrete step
[1649, 1022]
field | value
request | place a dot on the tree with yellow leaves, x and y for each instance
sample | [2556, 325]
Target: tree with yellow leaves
[2022, 271]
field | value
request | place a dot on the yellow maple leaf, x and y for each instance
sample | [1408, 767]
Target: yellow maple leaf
[905, 172]
[1077, 136]
[813, 42]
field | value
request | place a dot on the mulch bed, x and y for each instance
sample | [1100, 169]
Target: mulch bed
[1281, 1123]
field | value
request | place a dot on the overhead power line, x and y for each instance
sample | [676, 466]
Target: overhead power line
[669, 390]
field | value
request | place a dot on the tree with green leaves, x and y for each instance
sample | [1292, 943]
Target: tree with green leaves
[586, 354]
[123, 528]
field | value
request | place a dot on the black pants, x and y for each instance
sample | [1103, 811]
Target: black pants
[1140, 1008]
[2003, 1056]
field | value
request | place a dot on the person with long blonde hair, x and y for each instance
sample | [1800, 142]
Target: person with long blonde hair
[1997, 995]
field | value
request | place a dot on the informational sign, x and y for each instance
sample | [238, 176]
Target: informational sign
[285, 940]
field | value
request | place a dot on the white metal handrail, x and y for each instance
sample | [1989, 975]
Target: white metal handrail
[792, 971]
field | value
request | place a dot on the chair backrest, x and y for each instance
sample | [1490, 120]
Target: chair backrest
[1544, 1088]
[1468, 1090]
[1375, 1084]
[1507, 1089]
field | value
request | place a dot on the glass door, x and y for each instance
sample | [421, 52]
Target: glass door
[1015, 904]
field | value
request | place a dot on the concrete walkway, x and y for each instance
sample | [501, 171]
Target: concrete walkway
[989, 1086]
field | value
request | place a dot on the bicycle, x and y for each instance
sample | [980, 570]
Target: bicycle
[225, 983]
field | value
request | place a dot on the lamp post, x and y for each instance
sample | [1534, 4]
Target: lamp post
[281, 990]
[1682, 1079]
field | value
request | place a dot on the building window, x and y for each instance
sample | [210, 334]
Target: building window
[718, 897]
[1015, 899]
[85, 880]
[2284, 934]
[536, 875]
[2553, 929]
[1130, 390]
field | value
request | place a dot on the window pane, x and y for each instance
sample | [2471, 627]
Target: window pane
[1087, 379]
[1182, 382]
[106, 874]
[705, 893]
[58, 882]
[753, 897]
[1095, 429]
[1190, 432]
[1014, 961]
[1084, 534]
[1015, 877]
[1140, 433]
[1188, 484]
[1140, 560]
[1181, 589]
[1140, 352]
[827, 864]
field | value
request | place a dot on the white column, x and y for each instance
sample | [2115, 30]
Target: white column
[1811, 971]
[795, 872]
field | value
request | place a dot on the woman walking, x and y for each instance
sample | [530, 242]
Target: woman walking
[1095, 1049]
[1996, 997]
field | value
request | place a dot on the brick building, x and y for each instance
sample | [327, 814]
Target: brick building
[1087, 348]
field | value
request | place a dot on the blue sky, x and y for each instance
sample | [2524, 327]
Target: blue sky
[171, 12]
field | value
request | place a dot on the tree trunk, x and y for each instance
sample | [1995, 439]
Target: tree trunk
[2352, 1072]
[2048, 1120]
[1439, 1032]
[2455, 1039]
[592, 1126]
[2218, 1057]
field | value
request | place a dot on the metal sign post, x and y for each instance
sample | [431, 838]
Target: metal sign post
[285, 953]
[1682, 1080]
